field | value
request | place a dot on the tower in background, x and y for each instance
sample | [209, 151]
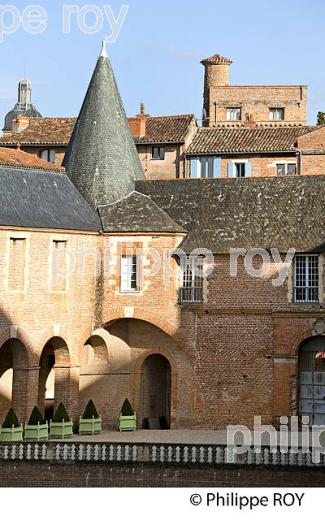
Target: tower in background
[242, 105]
[22, 109]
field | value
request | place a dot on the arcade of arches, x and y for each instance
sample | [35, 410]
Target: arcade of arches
[135, 359]
[126, 358]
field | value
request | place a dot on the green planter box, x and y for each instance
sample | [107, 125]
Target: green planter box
[39, 432]
[127, 423]
[60, 430]
[11, 434]
[90, 426]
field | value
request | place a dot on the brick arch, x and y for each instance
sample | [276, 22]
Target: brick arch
[302, 337]
[171, 329]
[23, 338]
[47, 336]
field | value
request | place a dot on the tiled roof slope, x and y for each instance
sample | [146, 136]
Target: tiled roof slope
[167, 129]
[19, 159]
[43, 130]
[221, 214]
[57, 131]
[40, 199]
[137, 213]
[246, 140]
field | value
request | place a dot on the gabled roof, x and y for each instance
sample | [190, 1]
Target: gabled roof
[167, 129]
[137, 213]
[43, 130]
[101, 159]
[246, 140]
[216, 59]
[40, 199]
[19, 159]
[221, 214]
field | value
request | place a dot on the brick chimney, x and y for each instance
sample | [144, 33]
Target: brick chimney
[19, 124]
[138, 123]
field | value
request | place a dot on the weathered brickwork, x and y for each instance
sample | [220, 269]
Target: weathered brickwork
[230, 359]
[254, 102]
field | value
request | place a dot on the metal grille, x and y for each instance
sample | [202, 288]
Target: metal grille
[192, 280]
[306, 279]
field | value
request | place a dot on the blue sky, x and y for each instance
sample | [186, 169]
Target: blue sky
[157, 55]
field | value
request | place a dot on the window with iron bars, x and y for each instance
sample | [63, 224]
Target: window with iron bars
[192, 280]
[306, 279]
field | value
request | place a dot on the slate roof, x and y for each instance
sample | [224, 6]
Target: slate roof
[246, 140]
[43, 131]
[216, 59]
[40, 199]
[166, 129]
[20, 159]
[101, 159]
[220, 214]
[137, 213]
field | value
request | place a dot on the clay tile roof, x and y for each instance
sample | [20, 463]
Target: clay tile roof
[167, 129]
[57, 131]
[216, 59]
[43, 130]
[19, 159]
[245, 140]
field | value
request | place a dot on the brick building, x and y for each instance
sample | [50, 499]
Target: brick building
[87, 313]
[237, 105]
[256, 152]
[160, 140]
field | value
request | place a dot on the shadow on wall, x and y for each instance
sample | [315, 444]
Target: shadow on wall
[135, 359]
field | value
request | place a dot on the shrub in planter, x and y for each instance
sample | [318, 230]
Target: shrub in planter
[61, 426]
[37, 428]
[127, 420]
[11, 430]
[90, 422]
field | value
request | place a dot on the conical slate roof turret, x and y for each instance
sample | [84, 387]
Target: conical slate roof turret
[101, 159]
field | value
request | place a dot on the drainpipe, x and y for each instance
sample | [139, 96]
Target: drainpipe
[299, 154]
[215, 112]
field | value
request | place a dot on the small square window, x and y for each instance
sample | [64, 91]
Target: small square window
[233, 114]
[285, 169]
[276, 114]
[158, 153]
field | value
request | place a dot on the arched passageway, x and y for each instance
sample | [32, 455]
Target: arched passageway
[312, 380]
[54, 376]
[156, 392]
[13, 377]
